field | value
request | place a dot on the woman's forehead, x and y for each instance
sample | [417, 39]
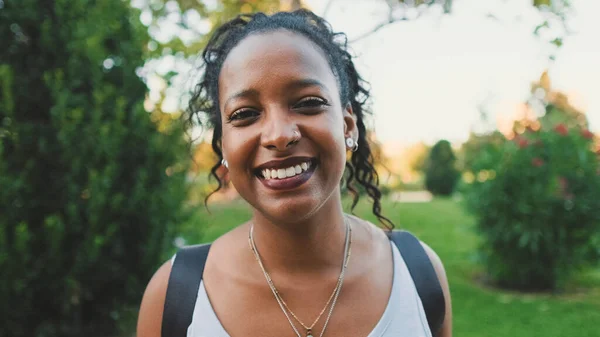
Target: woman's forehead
[277, 56]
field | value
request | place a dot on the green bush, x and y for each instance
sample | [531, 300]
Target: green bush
[538, 207]
[441, 174]
[481, 151]
[90, 191]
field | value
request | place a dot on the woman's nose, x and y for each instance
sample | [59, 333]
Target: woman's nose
[281, 132]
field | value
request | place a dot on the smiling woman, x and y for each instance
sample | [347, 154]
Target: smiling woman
[287, 107]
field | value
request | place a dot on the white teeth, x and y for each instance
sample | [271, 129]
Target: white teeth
[286, 172]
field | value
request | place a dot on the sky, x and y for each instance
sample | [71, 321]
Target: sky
[430, 77]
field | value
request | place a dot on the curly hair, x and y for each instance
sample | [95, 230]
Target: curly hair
[205, 102]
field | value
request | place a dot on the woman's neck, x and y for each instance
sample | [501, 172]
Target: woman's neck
[314, 244]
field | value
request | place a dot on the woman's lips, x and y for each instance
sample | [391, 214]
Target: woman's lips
[289, 182]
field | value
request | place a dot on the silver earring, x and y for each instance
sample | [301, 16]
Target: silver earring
[351, 144]
[225, 163]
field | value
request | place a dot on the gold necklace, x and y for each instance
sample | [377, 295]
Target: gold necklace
[334, 295]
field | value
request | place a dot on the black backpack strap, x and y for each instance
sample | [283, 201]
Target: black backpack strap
[182, 291]
[424, 276]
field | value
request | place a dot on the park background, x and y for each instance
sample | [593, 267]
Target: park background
[485, 135]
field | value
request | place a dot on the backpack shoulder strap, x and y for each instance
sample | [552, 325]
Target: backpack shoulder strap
[182, 290]
[424, 277]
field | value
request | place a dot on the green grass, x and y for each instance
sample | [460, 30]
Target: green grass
[478, 311]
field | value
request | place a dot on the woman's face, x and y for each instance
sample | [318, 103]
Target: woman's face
[284, 126]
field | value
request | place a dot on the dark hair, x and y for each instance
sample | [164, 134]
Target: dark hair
[351, 86]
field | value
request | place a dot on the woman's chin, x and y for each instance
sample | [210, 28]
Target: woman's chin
[288, 210]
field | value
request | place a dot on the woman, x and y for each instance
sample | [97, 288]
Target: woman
[287, 107]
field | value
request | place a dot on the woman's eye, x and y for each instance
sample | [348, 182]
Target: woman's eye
[243, 115]
[311, 102]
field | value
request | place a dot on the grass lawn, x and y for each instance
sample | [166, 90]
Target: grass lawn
[478, 311]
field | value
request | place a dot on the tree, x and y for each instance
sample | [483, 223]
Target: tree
[553, 106]
[534, 192]
[90, 190]
[192, 18]
[416, 156]
[407, 163]
[441, 174]
[536, 208]
[478, 146]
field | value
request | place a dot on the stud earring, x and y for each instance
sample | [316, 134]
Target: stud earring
[225, 163]
[351, 144]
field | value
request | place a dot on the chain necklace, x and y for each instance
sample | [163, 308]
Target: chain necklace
[332, 299]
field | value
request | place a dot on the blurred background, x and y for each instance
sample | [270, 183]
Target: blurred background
[485, 126]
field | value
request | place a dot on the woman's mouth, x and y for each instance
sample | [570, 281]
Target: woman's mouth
[288, 172]
[287, 177]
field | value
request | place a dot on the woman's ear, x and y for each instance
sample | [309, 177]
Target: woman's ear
[350, 129]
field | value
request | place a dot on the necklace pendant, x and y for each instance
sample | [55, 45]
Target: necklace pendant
[309, 333]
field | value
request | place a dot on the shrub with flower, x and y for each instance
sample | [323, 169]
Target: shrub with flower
[539, 213]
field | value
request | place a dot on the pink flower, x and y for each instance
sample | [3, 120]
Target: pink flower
[537, 162]
[522, 142]
[587, 134]
[561, 129]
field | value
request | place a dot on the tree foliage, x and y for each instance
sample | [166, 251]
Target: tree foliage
[480, 151]
[537, 208]
[90, 190]
[196, 20]
[535, 193]
[441, 174]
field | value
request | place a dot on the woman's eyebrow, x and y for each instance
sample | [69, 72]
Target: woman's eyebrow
[305, 82]
[292, 85]
[242, 94]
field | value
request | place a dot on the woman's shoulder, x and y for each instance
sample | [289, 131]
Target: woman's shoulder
[438, 266]
[152, 306]
[151, 309]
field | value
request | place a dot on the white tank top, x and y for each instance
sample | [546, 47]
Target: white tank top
[403, 315]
